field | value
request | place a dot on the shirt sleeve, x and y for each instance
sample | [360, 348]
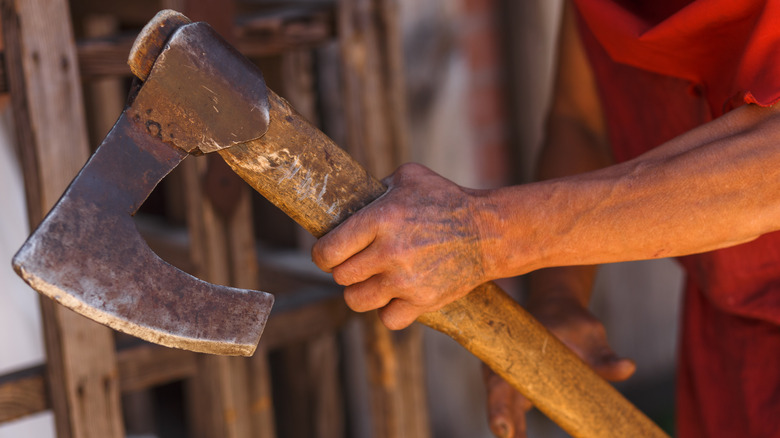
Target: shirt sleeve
[756, 78]
[730, 48]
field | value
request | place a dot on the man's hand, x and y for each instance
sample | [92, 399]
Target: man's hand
[412, 251]
[576, 327]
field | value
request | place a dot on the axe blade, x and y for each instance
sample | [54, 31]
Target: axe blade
[88, 255]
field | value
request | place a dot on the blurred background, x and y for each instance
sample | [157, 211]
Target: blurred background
[461, 86]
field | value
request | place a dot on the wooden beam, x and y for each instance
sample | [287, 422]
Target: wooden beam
[105, 97]
[99, 57]
[306, 322]
[258, 35]
[136, 12]
[49, 116]
[145, 366]
[148, 365]
[3, 79]
[223, 250]
[376, 135]
[284, 30]
[22, 393]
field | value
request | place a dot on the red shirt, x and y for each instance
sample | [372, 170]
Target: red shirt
[664, 67]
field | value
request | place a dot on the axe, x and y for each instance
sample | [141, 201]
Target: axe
[199, 95]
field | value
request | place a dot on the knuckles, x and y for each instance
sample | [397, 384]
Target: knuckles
[395, 316]
[347, 274]
[355, 300]
[325, 253]
[341, 277]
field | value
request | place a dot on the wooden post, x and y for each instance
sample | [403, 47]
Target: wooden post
[375, 107]
[322, 352]
[260, 396]
[105, 96]
[220, 395]
[220, 225]
[49, 112]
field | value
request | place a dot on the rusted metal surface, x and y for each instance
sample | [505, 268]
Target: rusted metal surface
[152, 39]
[202, 95]
[87, 253]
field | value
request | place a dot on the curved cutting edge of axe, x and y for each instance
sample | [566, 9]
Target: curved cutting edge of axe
[87, 253]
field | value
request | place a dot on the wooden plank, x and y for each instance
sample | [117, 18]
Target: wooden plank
[322, 366]
[394, 78]
[213, 402]
[219, 397]
[148, 365]
[411, 375]
[135, 12]
[3, 79]
[100, 57]
[258, 36]
[383, 363]
[293, 399]
[22, 393]
[46, 94]
[371, 138]
[105, 96]
[266, 35]
[321, 351]
[261, 395]
[219, 219]
[376, 135]
[304, 323]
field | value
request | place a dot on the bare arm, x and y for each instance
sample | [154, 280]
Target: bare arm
[575, 142]
[710, 188]
[427, 242]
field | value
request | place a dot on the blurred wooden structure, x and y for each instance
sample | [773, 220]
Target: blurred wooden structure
[320, 370]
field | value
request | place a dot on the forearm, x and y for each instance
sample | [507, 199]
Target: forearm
[711, 188]
[584, 150]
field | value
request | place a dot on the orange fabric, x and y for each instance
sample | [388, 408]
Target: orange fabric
[664, 67]
[725, 45]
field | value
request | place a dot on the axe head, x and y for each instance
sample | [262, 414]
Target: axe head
[87, 253]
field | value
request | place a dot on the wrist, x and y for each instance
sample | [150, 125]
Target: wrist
[509, 233]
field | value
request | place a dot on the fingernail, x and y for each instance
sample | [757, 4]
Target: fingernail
[501, 429]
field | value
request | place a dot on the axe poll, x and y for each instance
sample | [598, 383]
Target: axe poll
[199, 95]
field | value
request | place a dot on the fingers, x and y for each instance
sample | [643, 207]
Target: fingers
[586, 336]
[395, 314]
[594, 348]
[366, 295]
[613, 368]
[360, 267]
[399, 314]
[407, 252]
[506, 407]
[346, 240]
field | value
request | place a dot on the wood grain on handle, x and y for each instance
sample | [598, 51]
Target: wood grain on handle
[494, 328]
[300, 170]
[315, 182]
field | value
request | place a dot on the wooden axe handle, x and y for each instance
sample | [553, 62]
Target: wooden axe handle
[303, 172]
